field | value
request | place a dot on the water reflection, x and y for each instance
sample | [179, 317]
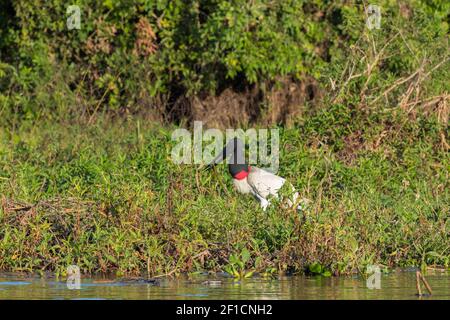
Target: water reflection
[396, 285]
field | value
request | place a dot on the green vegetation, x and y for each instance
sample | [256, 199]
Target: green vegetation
[166, 58]
[85, 135]
[109, 199]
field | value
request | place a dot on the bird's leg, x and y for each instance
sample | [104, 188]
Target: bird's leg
[263, 202]
[295, 201]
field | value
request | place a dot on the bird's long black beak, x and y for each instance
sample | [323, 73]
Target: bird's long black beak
[234, 148]
[219, 158]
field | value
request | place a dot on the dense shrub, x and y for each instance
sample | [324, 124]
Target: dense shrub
[131, 55]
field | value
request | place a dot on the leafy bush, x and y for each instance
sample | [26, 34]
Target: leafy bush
[144, 55]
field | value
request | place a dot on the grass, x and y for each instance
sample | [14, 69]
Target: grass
[107, 197]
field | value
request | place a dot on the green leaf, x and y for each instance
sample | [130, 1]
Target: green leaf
[245, 255]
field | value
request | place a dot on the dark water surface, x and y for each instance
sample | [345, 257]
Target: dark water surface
[395, 285]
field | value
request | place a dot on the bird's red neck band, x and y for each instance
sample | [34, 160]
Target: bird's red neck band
[242, 174]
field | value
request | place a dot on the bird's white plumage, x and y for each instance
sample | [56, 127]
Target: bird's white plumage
[263, 184]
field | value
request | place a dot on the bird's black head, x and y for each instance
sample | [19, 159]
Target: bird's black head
[238, 171]
[234, 151]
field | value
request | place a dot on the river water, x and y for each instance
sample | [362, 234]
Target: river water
[395, 285]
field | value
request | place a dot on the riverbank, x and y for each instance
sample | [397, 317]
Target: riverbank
[106, 197]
